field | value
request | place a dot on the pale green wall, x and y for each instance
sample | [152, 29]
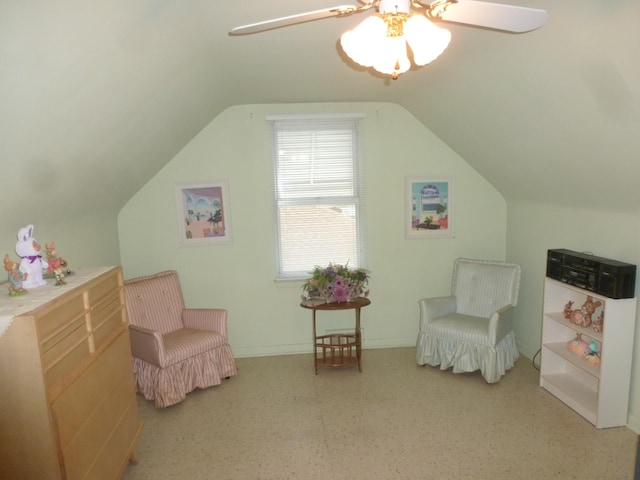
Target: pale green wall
[84, 241]
[535, 228]
[264, 316]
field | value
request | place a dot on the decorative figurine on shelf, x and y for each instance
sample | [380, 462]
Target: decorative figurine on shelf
[598, 323]
[568, 308]
[593, 356]
[16, 277]
[582, 317]
[56, 263]
[589, 308]
[31, 263]
[578, 347]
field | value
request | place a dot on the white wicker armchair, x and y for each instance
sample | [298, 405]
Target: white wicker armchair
[175, 349]
[471, 329]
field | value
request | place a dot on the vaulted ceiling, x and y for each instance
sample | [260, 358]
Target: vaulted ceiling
[96, 96]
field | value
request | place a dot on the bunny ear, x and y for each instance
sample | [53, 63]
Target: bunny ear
[25, 233]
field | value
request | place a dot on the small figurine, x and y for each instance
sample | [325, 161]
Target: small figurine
[593, 356]
[568, 309]
[576, 316]
[589, 308]
[56, 264]
[16, 277]
[31, 263]
[598, 323]
[582, 317]
[578, 347]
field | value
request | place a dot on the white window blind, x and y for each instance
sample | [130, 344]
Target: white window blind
[318, 193]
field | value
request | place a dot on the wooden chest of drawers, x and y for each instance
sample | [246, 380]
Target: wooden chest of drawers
[67, 400]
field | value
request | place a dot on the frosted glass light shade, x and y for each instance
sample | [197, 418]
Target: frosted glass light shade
[426, 40]
[391, 58]
[362, 44]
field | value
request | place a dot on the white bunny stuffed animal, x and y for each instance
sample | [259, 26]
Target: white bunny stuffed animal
[31, 262]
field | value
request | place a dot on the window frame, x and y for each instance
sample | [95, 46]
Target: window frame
[315, 122]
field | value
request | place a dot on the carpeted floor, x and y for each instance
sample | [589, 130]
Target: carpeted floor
[395, 420]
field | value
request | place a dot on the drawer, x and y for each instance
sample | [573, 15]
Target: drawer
[63, 342]
[104, 286]
[115, 455]
[65, 360]
[107, 318]
[73, 408]
[52, 321]
[95, 434]
[105, 307]
[108, 328]
[106, 408]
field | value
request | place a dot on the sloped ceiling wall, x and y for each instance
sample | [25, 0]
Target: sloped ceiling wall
[95, 97]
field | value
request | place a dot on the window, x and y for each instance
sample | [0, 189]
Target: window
[318, 193]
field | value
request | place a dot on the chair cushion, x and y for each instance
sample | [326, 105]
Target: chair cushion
[482, 286]
[464, 328]
[184, 343]
[155, 301]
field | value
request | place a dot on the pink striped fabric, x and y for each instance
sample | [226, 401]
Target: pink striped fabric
[175, 349]
[155, 301]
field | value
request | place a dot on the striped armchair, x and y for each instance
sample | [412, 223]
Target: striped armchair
[471, 329]
[175, 349]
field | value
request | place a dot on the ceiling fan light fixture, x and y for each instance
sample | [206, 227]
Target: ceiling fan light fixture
[381, 40]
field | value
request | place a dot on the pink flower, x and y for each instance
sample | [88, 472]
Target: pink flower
[339, 290]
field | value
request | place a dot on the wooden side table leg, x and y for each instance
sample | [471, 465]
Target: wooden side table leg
[358, 340]
[315, 343]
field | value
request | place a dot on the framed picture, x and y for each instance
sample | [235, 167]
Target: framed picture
[429, 210]
[203, 213]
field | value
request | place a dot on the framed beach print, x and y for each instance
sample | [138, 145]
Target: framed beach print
[203, 213]
[429, 207]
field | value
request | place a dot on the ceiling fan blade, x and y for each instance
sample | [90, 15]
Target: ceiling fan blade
[509, 18]
[338, 11]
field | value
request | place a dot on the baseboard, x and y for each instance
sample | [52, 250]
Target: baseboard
[526, 349]
[633, 423]
[271, 350]
[301, 348]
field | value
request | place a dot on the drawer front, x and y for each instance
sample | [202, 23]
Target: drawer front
[107, 319]
[103, 309]
[64, 342]
[65, 360]
[104, 286]
[109, 328]
[97, 415]
[52, 322]
[96, 434]
[114, 458]
[76, 404]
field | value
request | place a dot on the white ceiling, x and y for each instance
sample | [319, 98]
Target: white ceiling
[96, 96]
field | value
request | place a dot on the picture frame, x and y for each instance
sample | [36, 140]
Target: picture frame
[429, 207]
[203, 213]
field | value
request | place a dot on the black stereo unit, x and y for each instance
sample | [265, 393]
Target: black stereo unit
[606, 277]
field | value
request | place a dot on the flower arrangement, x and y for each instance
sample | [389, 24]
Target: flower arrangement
[336, 283]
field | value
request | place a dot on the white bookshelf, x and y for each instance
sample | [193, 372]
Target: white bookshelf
[600, 393]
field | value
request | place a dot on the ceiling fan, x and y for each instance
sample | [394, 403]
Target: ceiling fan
[381, 40]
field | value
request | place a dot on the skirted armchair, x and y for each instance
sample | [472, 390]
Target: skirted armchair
[175, 349]
[471, 329]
